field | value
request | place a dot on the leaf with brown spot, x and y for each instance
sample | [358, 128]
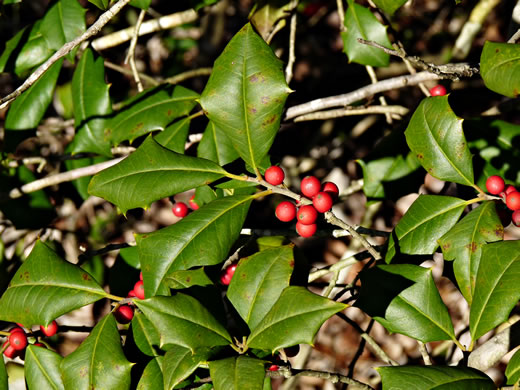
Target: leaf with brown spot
[500, 67]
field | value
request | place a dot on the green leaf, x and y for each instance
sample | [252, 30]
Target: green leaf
[45, 287]
[182, 320]
[179, 363]
[389, 6]
[237, 373]
[282, 326]
[11, 48]
[6, 2]
[150, 110]
[174, 136]
[500, 68]
[268, 14]
[101, 4]
[245, 95]
[513, 369]
[427, 220]
[188, 278]
[42, 369]
[152, 377]
[498, 290]
[33, 52]
[434, 377]
[435, 135]
[131, 256]
[4, 385]
[464, 242]
[99, 362]
[143, 4]
[404, 299]
[216, 146]
[63, 22]
[28, 109]
[202, 238]
[92, 105]
[361, 23]
[151, 173]
[259, 281]
[145, 335]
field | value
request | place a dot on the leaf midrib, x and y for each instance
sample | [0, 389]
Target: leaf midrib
[102, 292]
[42, 369]
[244, 108]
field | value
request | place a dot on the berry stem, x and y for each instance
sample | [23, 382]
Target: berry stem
[114, 297]
[3, 333]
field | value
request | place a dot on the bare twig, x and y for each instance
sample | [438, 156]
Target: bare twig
[292, 57]
[424, 354]
[65, 49]
[373, 78]
[341, 112]
[188, 74]
[288, 372]
[341, 14]
[130, 57]
[142, 76]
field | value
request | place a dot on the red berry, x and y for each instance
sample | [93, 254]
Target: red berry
[49, 330]
[510, 189]
[513, 201]
[9, 352]
[516, 218]
[193, 204]
[331, 188]
[307, 215]
[18, 340]
[39, 345]
[273, 367]
[495, 184]
[124, 314]
[305, 230]
[322, 202]
[17, 329]
[131, 294]
[227, 274]
[310, 186]
[180, 209]
[141, 275]
[274, 175]
[438, 90]
[139, 289]
[285, 211]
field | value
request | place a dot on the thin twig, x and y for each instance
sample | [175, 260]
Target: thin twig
[292, 56]
[373, 78]
[130, 57]
[515, 37]
[65, 49]
[341, 112]
[188, 74]
[359, 351]
[150, 80]
[410, 68]
[424, 354]
[288, 372]
[341, 264]
[341, 14]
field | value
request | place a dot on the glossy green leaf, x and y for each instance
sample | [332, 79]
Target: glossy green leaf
[92, 105]
[174, 136]
[146, 337]
[434, 377]
[28, 109]
[151, 173]
[513, 369]
[179, 363]
[33, 52]
[237, 373]
[464, 242]
[245, 95]
[63, 22]
[202, 238]
[389, 6]
[143, 4]
[404, 299]
[204, 195]
[10, 48]
[282, 326]
[188, 278]
[259, 281]
[216, 146]
[42, 369]
[436, 137]
[101, 4]
[498, 289]
[269, 13]
[150, 110]
[152, 377]
[6, 2]
[500, 68]
[45, 287]
[99, 362]
[4, 385]
[131, 256]
[182, 320]
[427, 220]
[361, 23]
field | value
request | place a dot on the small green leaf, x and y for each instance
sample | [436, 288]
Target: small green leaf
[427, 220]
[11, 48]
[4, 385]
[143, 4]
[33, 52]
[45, 287]
[361, 23]
[282, 326]
[131, 256]
[145, 335]
[269, 13]
[92, 105]
[513, 369]
[182, 320]
[498, 290]
[237, 373]
[434, 377]
[101, 4]
[500, 68]
[42, 368]
[436, 137]
[389, 6]
[216, 146]
[150, 110]
[404, 299]
[151, 173]
[152, 377]
[188, 278]
[202, 238]
[27, 111]
[245, 95]
[174, 136]
[179, 363]
[464, 242]
[259, 281]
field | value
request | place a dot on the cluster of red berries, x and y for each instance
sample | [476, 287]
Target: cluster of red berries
[227, 274]
[322, 197]
[17, 340]
[438, 90]
[496, 186]
[125, 313]
[180, 209]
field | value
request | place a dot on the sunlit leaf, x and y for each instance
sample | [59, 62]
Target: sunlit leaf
[268, 13]
[174, 136]
[500, 68]
[216, 146]
[179, 363]
[513, 369]
[237, 373]
[42, 368]
[389, 6]
[152, 377]
[145, 335]
[188, 278]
